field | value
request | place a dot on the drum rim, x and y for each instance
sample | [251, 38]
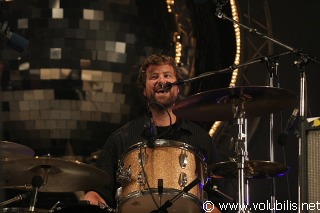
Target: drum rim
[24, 209]
[166, 143]
[134, 194]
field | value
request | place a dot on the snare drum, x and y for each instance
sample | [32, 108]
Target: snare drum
[176, 163]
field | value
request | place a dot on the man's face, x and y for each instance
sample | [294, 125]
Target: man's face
[156, 75]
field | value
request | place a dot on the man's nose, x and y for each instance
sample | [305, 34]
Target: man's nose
[162, 79]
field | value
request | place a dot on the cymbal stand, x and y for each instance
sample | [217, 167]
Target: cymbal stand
[272, 65]
[242, 156]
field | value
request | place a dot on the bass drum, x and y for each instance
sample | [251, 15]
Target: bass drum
[173, 163]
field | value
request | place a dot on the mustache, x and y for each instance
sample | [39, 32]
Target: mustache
[163, 86]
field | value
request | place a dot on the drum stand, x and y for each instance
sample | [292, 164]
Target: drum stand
[242, 156]
[272, 66]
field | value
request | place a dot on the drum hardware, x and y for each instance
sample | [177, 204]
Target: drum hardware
[215, 188]
[160, 189]
[253, 169]
[183, 159]
[183, 179]
[59, 175]
[84, 207]
[169, 203]
[141, 180]
[108, 208]
[54, 207]
[142, 158]
[123, 175]
[37, 182]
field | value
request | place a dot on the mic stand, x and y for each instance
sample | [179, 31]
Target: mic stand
[304, 58]
[226, 70]
[168, 203]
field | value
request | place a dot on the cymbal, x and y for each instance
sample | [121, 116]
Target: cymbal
[217, 105]
[12, 150]
[252, 169]
[59, 175]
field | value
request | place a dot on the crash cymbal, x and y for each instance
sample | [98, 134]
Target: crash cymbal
[217, 105]
[253, 169]
[13, 150]
[59, 175]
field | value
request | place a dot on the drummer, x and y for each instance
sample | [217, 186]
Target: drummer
[155, 71]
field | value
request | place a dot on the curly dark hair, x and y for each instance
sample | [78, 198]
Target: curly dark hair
[156, 59]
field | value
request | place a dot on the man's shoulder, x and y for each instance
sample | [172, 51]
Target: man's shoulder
[191, 126]
[134, 124]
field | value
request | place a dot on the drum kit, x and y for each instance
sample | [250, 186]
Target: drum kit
[143, 170]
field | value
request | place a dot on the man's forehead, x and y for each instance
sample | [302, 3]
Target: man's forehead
[160, 68]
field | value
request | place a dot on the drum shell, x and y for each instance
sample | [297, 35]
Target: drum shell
[163, 161]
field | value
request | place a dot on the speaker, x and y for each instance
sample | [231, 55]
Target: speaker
[313, 165]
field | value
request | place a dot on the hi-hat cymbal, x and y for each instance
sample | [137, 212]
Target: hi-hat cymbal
[252, 169]
[59, 175]
[217, 105]
[12, 150]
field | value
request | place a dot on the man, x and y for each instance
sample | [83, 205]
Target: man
[159, 123]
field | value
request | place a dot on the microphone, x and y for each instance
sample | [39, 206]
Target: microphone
[291, 120]
[16, 198]
[168, 85]
[37, 182]
[283, 136]
[13, 40]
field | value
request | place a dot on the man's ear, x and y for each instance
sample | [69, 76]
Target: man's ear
[144, 92]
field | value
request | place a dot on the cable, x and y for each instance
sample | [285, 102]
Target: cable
[145, 176]
[170, 125]
[155, 137]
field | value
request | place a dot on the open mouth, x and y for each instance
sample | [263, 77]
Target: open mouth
[161, 91]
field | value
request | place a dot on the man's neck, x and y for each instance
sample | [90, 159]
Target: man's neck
[161, 118]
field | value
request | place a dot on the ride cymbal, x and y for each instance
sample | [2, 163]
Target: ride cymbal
[59, 175]
[13, 150]
[252, 169]
[218, 105]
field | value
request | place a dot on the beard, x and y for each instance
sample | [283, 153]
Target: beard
[163, 102]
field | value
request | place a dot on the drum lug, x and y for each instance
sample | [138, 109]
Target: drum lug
[124, 175]
[183, 179]
[183, 160]
[142, 158]
[141, 179]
